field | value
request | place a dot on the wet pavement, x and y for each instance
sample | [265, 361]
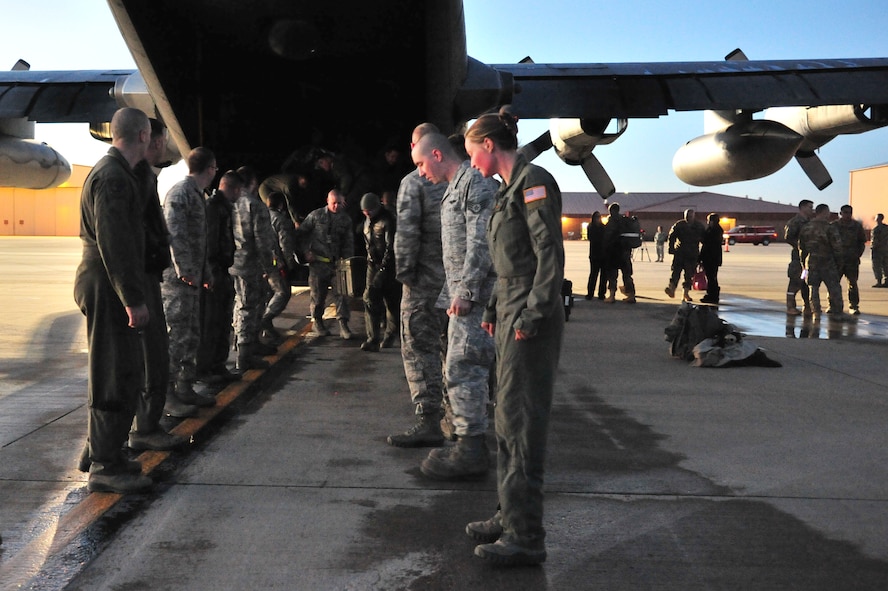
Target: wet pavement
[769, 319]
[660, 475]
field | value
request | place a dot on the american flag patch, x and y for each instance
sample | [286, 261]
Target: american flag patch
[534, 193]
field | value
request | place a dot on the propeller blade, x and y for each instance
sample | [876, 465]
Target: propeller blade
[537, 146]
[598, 176]
[814, 168]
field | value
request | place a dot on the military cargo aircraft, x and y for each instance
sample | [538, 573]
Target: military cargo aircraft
[256, 81]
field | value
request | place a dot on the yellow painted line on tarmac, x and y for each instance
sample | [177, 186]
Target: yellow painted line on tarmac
[72, 523]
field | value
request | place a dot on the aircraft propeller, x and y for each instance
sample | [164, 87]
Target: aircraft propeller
[574, 145]
[814, 168]
[807, 159]
[533, 149]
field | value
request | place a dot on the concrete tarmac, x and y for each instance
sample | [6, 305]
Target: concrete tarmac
[660, 475]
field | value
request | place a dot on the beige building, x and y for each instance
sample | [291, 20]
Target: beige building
[44, 212]
[868, 190]
[664, 209]
[56, 212]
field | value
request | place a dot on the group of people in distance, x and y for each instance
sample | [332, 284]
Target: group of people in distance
[478, 260]
[610, 255]
[823, 252]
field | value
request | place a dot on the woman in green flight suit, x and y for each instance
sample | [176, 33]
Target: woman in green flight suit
[526, 318]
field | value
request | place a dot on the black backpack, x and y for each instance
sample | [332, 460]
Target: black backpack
[630, 232]
[690, 325]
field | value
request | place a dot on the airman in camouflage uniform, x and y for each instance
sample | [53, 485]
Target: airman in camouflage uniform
[285, 257]
[465, 211]
[254, 246]
[420, 269]
[853, 244]
[185, 215]
[331, 237]
[684, 244]
[821, 250]
[794, 271]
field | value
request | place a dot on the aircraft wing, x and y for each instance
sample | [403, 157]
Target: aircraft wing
[59, 97]
[256, 81]
[652, 89]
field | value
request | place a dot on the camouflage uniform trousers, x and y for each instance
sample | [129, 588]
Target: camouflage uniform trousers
[796, 283]
[423, 333]
[880, 264]
[467, 368]
[279, 290]
[683, 263]
[181, 306]
[249, 305]
[825, 272]
[851, 272]
[322, 276]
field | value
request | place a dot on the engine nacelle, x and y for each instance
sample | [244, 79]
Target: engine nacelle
[818, 125]
[744, 151]
[30, 164]
[574, 139]
[131, 91]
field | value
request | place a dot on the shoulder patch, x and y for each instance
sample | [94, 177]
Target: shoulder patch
[536, 193]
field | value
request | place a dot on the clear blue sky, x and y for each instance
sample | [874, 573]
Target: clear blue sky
[80, 34]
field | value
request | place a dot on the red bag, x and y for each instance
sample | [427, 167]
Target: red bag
[699, 282]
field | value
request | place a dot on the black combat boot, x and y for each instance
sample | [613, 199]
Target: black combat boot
[373, 338]
[247, 358]
[425, 433]
[184, 392]
[269, 332]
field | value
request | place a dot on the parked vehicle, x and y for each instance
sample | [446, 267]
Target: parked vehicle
[755, 234]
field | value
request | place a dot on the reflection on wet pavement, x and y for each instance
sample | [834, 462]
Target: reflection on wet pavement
[768, 319]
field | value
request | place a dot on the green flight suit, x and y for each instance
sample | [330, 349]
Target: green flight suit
[111, 275]
[528, 255]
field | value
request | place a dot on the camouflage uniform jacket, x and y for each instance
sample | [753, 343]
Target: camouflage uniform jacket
[879, 237]
[791, 234]
[685, 238]
[254, 238]
[418, 256]
[331, 235]
[111, 230]
[820, 244]
[186, 220]
[465, 212]
[853, 240]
